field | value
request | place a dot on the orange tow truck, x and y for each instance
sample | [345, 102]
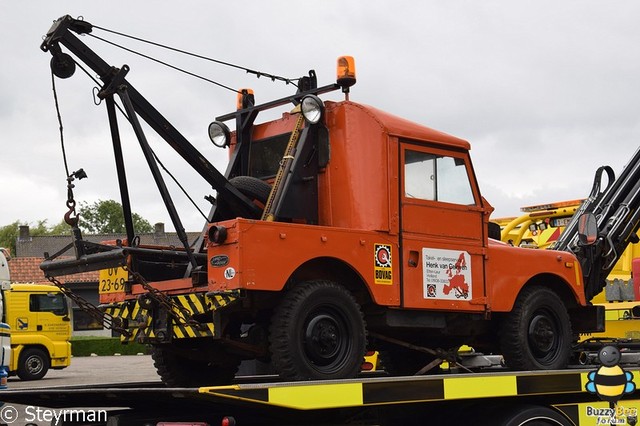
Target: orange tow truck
[336, 228]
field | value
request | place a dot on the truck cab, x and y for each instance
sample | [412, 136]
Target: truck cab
[41, 329]
[38, 316]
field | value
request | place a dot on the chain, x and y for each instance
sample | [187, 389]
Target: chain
[108, 320]
[180, 313]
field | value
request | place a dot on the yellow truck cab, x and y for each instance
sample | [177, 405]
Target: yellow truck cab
[38, 316]
[41, 328]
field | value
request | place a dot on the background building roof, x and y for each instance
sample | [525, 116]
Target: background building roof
[24, 265]
[36, 246]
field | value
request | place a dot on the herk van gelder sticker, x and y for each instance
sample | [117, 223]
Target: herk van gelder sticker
[446, 274]
[382, 265]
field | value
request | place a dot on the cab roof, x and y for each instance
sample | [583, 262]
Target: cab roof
[401, 127]
[34, 287]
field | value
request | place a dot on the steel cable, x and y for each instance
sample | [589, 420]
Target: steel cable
[258, 74]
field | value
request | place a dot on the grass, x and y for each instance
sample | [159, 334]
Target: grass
[85, 346]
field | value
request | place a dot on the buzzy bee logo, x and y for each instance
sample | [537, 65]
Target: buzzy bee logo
[611, 382]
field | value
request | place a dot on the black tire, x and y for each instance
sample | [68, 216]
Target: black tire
[33, 364]
[177, 369]
[317, 332]
[536, 334]
[253, 188]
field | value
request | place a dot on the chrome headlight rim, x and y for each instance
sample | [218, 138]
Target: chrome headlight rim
[219, 134]
[312, 109]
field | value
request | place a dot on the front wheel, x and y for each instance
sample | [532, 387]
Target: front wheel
[317, 332]
[33, 364]
[536, 334]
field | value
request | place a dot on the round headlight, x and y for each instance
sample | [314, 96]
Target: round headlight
[219, 134]
[218, 234]
[312, 108]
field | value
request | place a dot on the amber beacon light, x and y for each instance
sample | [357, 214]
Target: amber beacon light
[346, 73]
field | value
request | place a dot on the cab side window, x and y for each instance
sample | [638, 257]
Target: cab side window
[54, 303]
[436, 178]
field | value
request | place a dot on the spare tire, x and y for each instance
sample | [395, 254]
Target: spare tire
[253, 188]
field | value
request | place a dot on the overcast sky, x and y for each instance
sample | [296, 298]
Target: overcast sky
[544, 91]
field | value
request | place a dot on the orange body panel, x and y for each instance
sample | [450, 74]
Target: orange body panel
[507, 266]
[263, 255]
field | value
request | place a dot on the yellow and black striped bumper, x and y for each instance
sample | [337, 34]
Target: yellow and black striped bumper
[140, 321]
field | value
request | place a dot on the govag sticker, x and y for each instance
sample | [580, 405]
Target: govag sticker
[383, 270]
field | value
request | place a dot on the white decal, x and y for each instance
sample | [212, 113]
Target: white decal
[446, 274]
[229, 273]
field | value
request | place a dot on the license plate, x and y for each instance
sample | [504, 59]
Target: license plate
[112, 280]
[562, 221]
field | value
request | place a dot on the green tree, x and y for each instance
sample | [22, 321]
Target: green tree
[41, 228]
[9, 235]
[101, 217]
[106, 217]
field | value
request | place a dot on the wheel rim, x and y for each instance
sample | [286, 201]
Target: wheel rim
[34, 365]
[326, 339]
[544, 336]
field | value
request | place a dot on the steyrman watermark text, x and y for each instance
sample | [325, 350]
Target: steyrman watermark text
[9, 414]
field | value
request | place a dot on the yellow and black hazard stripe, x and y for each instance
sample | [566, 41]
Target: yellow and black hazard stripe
[126, 310]
[141, 324]
[400, 390]
[194, 303]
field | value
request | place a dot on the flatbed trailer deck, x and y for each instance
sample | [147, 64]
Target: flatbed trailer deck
[493, 398]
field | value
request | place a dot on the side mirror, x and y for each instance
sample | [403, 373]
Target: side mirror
[494, 231]
[587, 229]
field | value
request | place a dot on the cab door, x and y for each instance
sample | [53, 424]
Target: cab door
[442, 230]
[51, 314]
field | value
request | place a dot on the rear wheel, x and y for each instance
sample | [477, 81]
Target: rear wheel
[194, 366]
[536, 334]
[33, 364]
[317, 332]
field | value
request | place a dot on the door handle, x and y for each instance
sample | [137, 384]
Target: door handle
[39, 327]
[414, 257]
